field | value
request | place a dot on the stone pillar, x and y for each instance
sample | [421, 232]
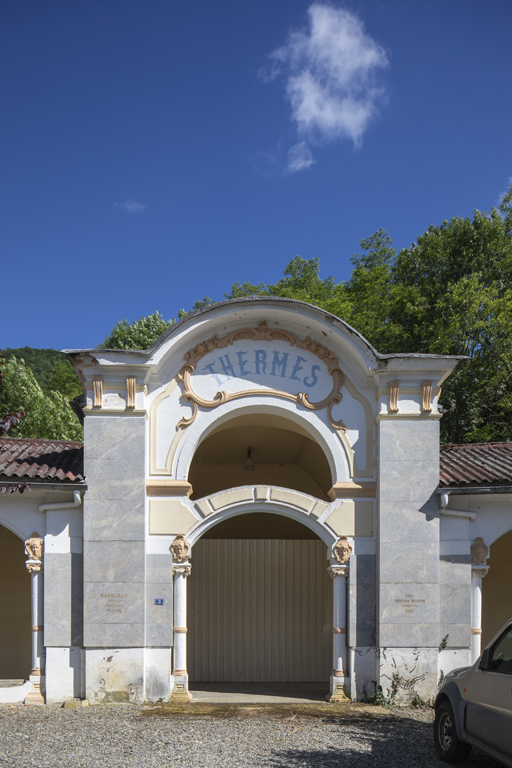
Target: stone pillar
[34, 550]
[477, 574]
[180, 690]
[408, 552]
[339, 675]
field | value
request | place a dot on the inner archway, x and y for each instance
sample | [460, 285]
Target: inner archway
[259, 603]
[15, 623]
[283, 454]
[497, 588]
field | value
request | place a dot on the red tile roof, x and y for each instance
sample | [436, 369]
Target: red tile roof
[46, 460]
[476, 464]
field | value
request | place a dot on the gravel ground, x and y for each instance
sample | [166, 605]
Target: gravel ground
[127, 735]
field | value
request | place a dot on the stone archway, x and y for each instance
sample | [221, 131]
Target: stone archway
[260, 603]
[283, 454]
[15, 621]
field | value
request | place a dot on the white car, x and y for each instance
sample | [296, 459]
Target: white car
[474, 706]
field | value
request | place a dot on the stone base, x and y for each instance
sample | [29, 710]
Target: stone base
[337, 694]
[179, 692]
[35, 698]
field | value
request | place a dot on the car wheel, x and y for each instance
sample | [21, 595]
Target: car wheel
[448, 746]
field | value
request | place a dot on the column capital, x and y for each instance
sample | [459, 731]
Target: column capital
[481, 570]
[183, 569]
[34, 548]
[337, 570]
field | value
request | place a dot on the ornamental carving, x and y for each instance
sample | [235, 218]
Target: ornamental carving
[393, 387]
[426, 396]
[34, 548]
[179, 549]
[479, 551]
[342, 550]
[261, 333]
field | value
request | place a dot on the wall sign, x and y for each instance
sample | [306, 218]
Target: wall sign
[259, 362]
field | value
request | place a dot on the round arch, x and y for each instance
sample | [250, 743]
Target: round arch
[259, 607]
[318, 432]
[320, 530]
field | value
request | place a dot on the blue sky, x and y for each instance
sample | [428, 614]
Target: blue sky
[156, 152]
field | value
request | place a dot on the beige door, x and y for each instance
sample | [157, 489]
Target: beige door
[260, 610]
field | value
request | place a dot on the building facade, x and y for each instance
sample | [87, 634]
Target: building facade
[260, 500]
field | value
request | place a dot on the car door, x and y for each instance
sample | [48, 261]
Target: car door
[489, 698]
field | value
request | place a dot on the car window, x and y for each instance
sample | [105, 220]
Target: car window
[502, 654]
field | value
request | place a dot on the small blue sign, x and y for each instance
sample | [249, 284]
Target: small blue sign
[159, 601]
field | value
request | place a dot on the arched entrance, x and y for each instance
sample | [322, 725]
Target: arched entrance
[283, 454]
[260, 603]
[15, 622]
[497, 588]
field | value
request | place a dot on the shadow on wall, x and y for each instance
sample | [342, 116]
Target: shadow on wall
[15, 622]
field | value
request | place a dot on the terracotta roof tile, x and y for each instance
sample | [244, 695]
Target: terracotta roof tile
[476, 464]
[47, 460]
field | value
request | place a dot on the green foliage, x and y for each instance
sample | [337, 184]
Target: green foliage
[142, 333]
[387, 700]
[52, 370]
[47, 416]
[138, 335]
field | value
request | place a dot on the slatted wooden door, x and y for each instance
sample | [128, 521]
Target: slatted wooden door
[259, 610]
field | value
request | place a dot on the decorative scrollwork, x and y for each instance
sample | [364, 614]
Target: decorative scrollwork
[261, 333]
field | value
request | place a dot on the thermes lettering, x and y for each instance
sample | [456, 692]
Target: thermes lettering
[280, 365]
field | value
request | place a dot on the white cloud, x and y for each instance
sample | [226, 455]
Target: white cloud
[131, 206]
[299, 157]
[332, 78]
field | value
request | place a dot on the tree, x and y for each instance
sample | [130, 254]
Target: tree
[51, 368]
[7, 421]
[451, 294]
[143, 332]
[137, 335]
[46, 416]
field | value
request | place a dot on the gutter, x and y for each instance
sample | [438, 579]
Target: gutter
[444, 497]
[77, 500]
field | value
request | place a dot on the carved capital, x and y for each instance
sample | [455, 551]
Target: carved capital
[184, 570]
[179, 549]
[426, 397]
[393, 387]
[97, 389]
[34, 549]
[130, 391]
[482, 572]
[342, 550]
[336, 570]
[479, 551]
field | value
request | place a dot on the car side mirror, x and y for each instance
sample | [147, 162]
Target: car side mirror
[486, 660]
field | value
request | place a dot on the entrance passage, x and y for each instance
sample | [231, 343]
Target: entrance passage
[497, 589]
[15, 624]
[260, 608]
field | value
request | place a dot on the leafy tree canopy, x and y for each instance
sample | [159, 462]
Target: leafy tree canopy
[52, 370]
[143, 332]
[47, 416]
